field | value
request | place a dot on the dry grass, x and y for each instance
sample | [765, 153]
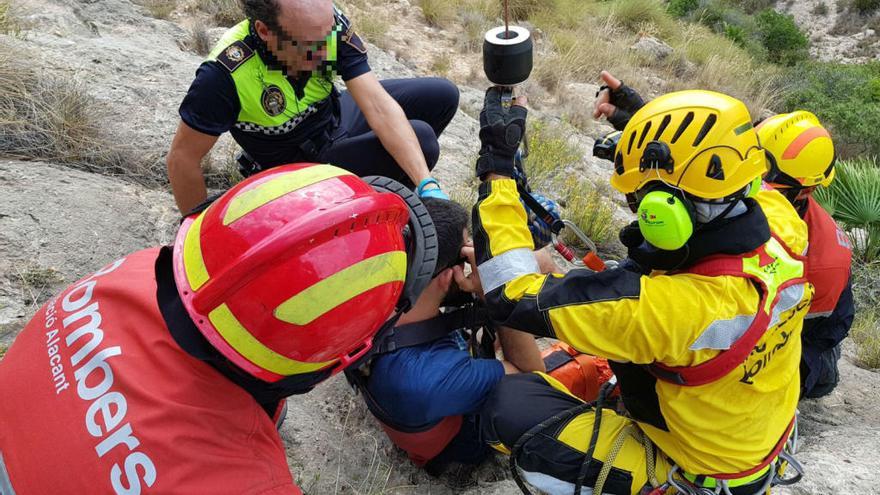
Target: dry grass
[865, 333]
[551, 157]
[590, 210]
[225, 13]
[441, 65]
[197, 40]
[54, 118]
[35, 282]
[160, 9]
[438, 13]
[3, 349]
[9, 23]
[374, 27]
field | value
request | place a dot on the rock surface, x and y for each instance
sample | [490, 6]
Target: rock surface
[73, 222]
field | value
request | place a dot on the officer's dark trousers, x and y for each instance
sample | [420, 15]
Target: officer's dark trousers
[429, 104]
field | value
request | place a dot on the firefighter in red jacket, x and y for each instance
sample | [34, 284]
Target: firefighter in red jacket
[801, 157]
[165, 370]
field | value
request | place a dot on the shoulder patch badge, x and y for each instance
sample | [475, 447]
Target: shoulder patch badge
[234, 55]
[352, 39]
[273, 100]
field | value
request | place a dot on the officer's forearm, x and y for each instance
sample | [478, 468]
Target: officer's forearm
[187, 182]
[397, 136]
[184, 160]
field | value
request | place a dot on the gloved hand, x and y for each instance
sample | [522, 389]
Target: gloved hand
[431, 192]
[616, 101]
[643, 257]
[541, 233]
[501, 130]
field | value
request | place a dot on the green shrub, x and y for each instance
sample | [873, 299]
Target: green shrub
[844, 97]
[866, 6]
[853, 199]
[549, 153]
[785, 43]
[681, 8]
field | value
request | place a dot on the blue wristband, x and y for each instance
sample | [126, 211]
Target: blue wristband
[430, 193]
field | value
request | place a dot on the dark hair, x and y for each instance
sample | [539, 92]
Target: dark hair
[262, 10]
[450, 220]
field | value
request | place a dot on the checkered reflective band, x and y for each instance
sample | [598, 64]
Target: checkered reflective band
[284, 128]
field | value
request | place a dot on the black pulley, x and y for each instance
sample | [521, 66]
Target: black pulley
[507, 55]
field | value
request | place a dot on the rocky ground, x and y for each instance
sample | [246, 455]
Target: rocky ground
[836, 34]
[57, 224]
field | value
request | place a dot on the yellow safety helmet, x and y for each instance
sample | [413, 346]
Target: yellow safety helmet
[700, 142]
[690, 143]
[800, 151]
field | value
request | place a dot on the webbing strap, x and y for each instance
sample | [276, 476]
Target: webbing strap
[423, 332]
[738, 352]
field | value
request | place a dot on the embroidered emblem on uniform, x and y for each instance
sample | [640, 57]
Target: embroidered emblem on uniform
[352, 39]
[234, 53]
[273, 100]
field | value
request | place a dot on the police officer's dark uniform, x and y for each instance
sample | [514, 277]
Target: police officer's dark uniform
[278, 118]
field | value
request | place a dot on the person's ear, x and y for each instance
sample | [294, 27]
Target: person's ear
[262, 30]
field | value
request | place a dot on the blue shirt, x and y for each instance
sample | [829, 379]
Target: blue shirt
[419, 386]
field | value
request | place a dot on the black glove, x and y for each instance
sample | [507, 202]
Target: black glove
[627, 101]
[631, 236]
[501, 130]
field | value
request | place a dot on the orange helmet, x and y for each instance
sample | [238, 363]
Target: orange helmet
[294, 270]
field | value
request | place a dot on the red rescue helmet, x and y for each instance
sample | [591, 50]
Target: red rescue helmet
[294, 270]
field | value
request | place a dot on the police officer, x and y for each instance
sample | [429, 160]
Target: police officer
[269, 82]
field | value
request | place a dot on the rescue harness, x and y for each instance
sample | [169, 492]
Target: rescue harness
[468, 315]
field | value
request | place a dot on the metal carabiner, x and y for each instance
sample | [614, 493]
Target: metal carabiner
[590, 260]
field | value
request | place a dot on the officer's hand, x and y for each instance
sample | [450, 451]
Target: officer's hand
[616, 101]
[430, 188]
[501, 131]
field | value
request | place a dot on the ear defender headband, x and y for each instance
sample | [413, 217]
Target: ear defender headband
[421, 249]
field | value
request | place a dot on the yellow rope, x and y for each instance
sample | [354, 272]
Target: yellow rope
[649, 458]
[612, 455]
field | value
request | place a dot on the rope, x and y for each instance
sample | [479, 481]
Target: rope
[607, 387]
[540, 427]
[625, 432]
[650, 460]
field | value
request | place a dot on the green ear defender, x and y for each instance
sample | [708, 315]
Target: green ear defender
[666, 220]
[755, 187]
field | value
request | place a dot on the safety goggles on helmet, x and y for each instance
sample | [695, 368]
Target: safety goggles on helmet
[294, 270]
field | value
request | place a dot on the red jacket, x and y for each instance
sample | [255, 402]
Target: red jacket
[828, 259]
[97, 397]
